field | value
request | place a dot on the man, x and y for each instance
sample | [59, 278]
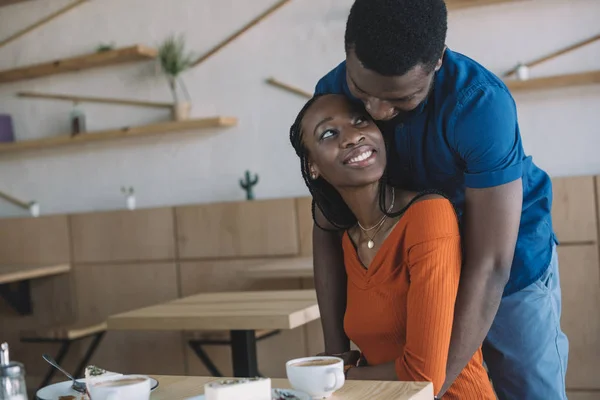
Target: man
[454, 127]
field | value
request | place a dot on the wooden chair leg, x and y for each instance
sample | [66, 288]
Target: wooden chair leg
[205, 359]
[88, 355]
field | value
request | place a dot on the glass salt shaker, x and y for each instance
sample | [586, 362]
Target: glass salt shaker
[12, 377]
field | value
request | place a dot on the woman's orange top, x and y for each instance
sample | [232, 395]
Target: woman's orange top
[400, 309]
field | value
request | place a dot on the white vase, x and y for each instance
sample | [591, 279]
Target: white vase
[522, 72]
[34, 209]
[181, 111]
[131, 202]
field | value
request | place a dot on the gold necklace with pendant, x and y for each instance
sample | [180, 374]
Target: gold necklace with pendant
[378, 225]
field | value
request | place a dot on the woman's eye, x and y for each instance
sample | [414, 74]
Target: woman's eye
[327, 134]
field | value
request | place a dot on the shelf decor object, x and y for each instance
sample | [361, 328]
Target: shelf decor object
[39, 23]
[7, 133]
[174, 60]
[248, 184]
[240, 31]
[160, 128]
[118, 56]
[129, 193]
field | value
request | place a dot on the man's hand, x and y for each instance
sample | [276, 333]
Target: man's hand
[330, 284]
[491, 225]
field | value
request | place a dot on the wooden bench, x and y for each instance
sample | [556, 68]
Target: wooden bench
[66, 335]
[220, 339]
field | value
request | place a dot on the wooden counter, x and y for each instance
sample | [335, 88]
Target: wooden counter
[284, 268]
[184, 387]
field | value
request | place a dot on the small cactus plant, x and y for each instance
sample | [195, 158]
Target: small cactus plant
[248, 185]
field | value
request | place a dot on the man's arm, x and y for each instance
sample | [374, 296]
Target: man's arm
[330, 284]
[491, 226]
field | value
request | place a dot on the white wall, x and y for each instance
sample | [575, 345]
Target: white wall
[298, 44]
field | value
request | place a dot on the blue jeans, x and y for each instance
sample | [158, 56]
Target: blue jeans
[525, 351]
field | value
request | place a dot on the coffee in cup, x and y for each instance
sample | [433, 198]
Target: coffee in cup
[316, 362]
[119, 382]
[319, 377]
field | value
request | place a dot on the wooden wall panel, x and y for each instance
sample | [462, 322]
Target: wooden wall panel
[583, 395]
[123, 236]
[240, 229]
[305, 225]
[34, 240]
[580, 283]
[53, 302]
[43, 240]
[218, 276]
[315, 342]
[574, 210]
[103, 290]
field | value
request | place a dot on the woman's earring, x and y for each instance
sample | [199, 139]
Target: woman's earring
[313, 176]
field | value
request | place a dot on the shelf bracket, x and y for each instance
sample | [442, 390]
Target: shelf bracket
[18, 296]
[41, 22]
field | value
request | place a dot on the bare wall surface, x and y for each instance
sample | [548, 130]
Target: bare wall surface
[298, 44]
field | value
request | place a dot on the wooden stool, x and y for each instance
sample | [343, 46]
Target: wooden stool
[67, 334]
[196, 345]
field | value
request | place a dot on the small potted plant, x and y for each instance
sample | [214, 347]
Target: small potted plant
[174, 60]
[129, 197]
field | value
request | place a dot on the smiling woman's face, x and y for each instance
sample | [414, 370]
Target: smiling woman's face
[344, 146]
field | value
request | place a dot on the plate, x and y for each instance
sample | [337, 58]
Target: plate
[52, 392]
[299, 395]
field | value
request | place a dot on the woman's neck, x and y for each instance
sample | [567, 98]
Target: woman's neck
[364, 203]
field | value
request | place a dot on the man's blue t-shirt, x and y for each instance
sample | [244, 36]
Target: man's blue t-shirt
[466, 134]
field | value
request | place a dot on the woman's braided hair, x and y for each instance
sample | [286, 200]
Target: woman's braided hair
[324, 195]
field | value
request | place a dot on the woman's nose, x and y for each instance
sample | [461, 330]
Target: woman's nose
[352, 137]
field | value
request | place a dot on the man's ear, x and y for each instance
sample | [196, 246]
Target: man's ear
[439, 63]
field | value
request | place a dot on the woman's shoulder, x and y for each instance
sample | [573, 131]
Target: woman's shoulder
[430, 216]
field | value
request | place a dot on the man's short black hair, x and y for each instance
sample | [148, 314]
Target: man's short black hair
[390, 37]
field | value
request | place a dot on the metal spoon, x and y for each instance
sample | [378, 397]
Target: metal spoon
[77, 386]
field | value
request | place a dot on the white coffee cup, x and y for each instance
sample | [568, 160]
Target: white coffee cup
[318, 377]
[130, 387]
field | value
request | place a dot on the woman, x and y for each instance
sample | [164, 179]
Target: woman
[402, 251]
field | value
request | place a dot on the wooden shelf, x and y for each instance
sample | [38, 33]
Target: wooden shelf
[553, 82]
[136, 131]
[101, 59]
[457, 4]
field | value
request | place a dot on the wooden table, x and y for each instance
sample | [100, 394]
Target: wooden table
[285, 268]
[184, 387]
[20, 297]
[241, 313]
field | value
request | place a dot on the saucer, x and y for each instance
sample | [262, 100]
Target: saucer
[52, 392]
[289, 392]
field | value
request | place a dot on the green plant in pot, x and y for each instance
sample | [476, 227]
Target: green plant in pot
[174, 60]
